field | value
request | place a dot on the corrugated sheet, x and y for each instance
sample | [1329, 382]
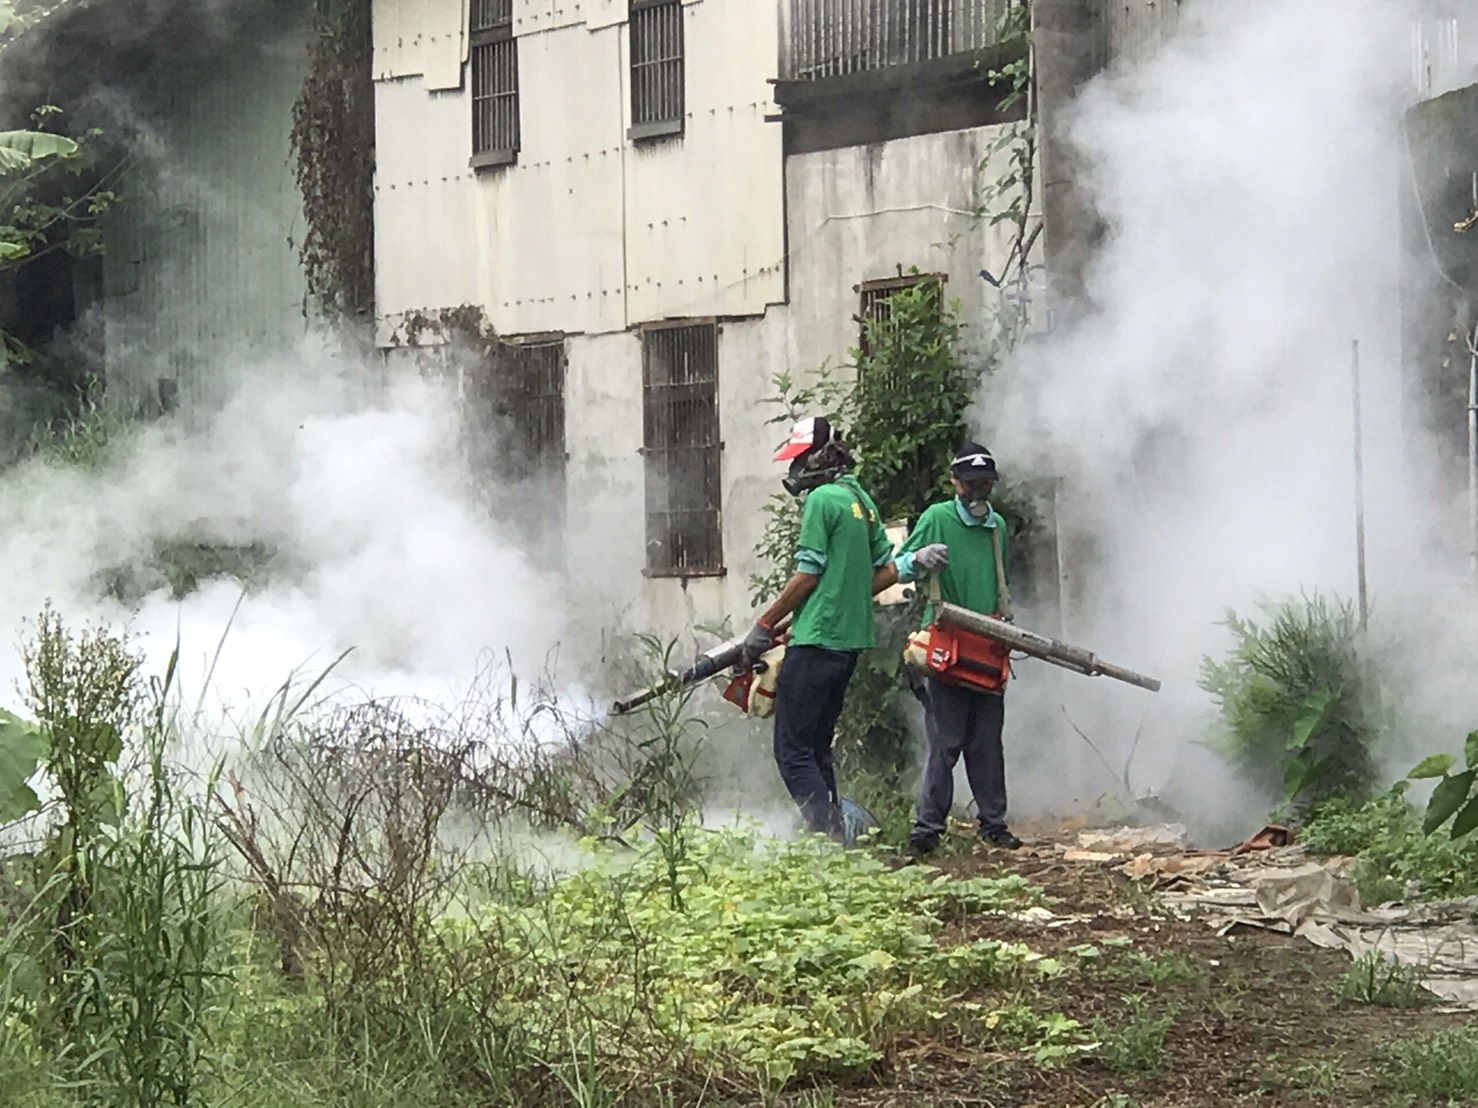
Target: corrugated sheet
[201, 264]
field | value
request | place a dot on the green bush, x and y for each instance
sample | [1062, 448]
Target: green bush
[1393, 857]
[1301, 709]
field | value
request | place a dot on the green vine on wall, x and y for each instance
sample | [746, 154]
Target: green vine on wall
[333, 141]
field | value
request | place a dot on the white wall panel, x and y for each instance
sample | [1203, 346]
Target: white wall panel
[399, 29]
[444, 47]
[550, 231]
[705, 213]
[425, 232]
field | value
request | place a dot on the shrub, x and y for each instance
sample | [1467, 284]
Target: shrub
[1300, 704]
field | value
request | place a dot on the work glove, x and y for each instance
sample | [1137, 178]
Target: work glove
[932, 558]
[759, 640]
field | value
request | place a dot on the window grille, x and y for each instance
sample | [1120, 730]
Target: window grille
[680, 433]
[656, 68]
[830, 38]
[876, 314]
[494, 51]
[533, 376]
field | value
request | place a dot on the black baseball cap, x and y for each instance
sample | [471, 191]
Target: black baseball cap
[973, 462]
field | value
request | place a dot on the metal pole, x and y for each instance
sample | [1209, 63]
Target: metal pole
[1473, 454]
[1359, 486]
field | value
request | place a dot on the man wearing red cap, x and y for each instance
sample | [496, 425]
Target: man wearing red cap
[843, 557]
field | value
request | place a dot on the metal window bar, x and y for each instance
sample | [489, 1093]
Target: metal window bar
[831, 38]
[682, 449]
[494, 56]
[533, 376]
[656, 62]
[876, 312]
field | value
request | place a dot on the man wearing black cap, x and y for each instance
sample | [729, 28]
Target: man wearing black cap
[843, 557]
[959, 720]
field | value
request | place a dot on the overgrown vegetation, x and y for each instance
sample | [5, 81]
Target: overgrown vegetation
[1455, 796]
[54, 189]
[1301, 707]
[333, 141]
[1440, 1068]
[1395, 859]
[384, 935]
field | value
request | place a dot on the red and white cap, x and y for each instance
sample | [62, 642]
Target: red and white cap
[807, 434]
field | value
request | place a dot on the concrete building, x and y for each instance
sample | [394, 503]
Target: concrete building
[656, 205]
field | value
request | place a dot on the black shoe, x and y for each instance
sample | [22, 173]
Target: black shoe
[1002, 838]
[918, 848]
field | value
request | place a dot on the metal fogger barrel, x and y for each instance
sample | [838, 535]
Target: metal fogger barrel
[1034, 645]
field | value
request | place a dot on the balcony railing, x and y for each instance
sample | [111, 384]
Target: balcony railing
[831, 38]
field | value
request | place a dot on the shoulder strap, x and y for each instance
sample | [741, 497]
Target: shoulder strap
[1003, 594]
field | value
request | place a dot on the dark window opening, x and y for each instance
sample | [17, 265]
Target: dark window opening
[494, 52]
[533, 387]
[682, 449]
[514, 434]
[657, 102]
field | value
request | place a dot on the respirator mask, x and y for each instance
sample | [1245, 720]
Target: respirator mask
[976, 499]
[820, 467]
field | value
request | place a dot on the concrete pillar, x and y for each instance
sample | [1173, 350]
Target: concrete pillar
[1070, 47]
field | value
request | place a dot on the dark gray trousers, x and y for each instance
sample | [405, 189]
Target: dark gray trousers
[960, 722]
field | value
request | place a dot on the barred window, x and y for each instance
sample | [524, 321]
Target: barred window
[875, 302]
[878, 380]
[494, 83]
[656, 68]
[532, 372]
[682, 448]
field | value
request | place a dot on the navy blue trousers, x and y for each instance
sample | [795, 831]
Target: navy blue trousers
[808, 699]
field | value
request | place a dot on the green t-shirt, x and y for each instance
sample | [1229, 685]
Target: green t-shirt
[841, 541]
[970, 580]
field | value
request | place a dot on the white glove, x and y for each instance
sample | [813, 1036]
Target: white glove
[932, 558]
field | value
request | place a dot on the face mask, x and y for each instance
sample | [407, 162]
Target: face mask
[978, 507]
[812, 471]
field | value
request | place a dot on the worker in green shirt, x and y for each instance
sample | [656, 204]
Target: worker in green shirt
[842, 558]
[960, 721]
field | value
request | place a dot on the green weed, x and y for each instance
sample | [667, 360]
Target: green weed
[1136, 1046]
[1393, 857]
[1439, 1066]
[1372, 979]
[1147, 969]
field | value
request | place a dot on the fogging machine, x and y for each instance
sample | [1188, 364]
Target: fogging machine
[752, 689]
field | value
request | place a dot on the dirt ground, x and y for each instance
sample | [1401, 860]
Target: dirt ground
[1254, 1017]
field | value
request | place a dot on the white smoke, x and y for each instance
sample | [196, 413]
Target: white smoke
[1201, 417]
[379, 545]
